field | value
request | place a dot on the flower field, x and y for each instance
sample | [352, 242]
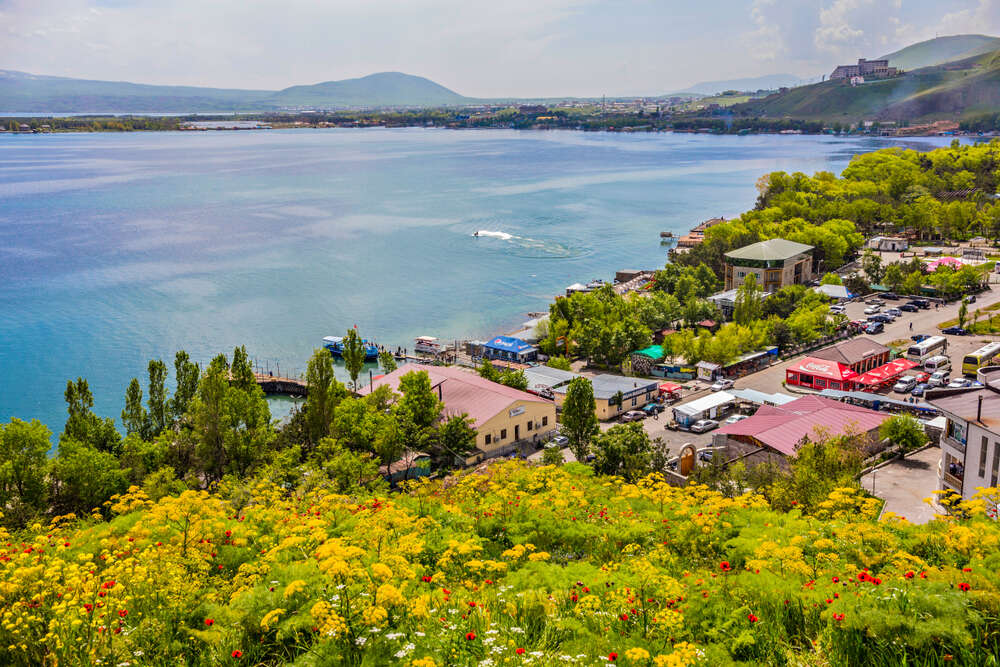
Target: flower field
[520, 566]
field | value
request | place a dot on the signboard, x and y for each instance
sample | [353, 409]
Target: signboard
[519, 410]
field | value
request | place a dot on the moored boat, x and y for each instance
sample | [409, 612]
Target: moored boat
[335, 344]
[427, 345]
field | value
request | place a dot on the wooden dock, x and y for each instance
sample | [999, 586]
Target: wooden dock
[272, 384]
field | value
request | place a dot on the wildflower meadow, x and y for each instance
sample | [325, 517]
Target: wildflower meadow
[519, 565]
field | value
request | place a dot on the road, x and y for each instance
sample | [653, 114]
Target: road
[905, 483]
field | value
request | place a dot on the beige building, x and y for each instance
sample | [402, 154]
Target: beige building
[505, 419]
[775, 262]
[634, 393]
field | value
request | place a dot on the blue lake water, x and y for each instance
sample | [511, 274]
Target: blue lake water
[117, 248]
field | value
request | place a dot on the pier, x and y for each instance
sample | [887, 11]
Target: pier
[272, 384]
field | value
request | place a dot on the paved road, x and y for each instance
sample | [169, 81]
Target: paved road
[905, 483]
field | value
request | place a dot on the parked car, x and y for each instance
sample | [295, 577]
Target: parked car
[920, 389]
[871, 310]
[653, 408]
[703, 425]
[735, 419]
[955, 331]
[874, 328]
[705, 456]
[721, 384]
[838, 308]
[633, 416]
[892, 296]
[923, 304]
[916, 338]
[884, 318]
[908, 308]
[922, 377]
[939, 379]
[559, 441]
[960, 383]
[895, 312]
[875, 301]
[905, 384]
[971, 298]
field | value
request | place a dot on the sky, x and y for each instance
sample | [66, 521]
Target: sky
[498, 48]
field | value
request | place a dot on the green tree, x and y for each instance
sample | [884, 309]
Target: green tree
[515, 378]
[323, 394]
[186, 373]
[579, 416]
[386, 361]
[24, 465]
[831, 279]
[623, 450]
[83, 478]
[749, 301]
[903, 431]
[83, 425]
[963, 313]
[134, 416]
[488, 371]
[241, 370]
[552, 456]
[210, 418]
[419, 402]
[157, 402]
[871, 264]
[894, 277]
[349, 471]
[560, 363]
[354, 355]
[456, 439]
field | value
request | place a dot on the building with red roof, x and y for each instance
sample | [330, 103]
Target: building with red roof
[504, 418]
[776, 432]
[816, 373]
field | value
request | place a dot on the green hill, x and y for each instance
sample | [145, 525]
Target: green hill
[29, 93]
[950, 90]
[942, 50]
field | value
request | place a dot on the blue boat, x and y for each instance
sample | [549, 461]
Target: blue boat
[336, 346]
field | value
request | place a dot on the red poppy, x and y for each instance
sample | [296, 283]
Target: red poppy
[573, 597]
[470, 636]
[838, 617]
[237, 653]
[612, 656]
[724, 566]
[425, 579]
[752, 617]
[209, 622]
[123, 613]
[908, 575]
[624, 617]
[519, 651]
[964, 586]
[966, 569]
[472, 604]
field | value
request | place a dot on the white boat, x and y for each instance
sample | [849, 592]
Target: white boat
[427, 345]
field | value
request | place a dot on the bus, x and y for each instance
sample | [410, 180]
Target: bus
[973, 361]
[927, 348]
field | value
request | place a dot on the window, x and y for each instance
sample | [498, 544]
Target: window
[982, 458]
[489, 438]
[503, 434]
[634, 399]
[529, 425]
[996, 462]
[545, 420]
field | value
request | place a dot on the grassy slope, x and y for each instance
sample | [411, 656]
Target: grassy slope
[942, 50]
[972, 85]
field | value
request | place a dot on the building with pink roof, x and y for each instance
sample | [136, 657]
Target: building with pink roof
[505, 419]
[776, 432]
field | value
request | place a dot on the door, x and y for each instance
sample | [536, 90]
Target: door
[517, 432]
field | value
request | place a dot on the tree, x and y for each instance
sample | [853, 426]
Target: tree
[903, 431]
[579, 416]
[894, 277]
[871, 264]
[623, 450]
[83, 425]
[963, 313]
[419, 402]
[186, 372]
[488, 371]
[560, 363]
[749, 298]
[831, 279]
[241, 370]
[354, 353]
[24, 464]
[134, 416]
[323, 395]
[552, 456]
[514, 378]
[157, 397]
[84, 477]
[456, 438]
[210, 418]
[386, 361]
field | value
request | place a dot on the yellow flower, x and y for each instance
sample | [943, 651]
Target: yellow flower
[270, 618]
[375, 616]
[637, 654]
[381, 571]
[294, 587]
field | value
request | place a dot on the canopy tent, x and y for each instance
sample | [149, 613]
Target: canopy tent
[829, 370]
[669, 387]
[885, 372]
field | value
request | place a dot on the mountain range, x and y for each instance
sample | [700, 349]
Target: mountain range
[29, 93]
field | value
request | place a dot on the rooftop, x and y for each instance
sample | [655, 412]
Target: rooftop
[851, 351]
[461, 391]
[606, 386]
[544, 377]
[509, 344]
[770, 250]
[783, 428]
[964, 403]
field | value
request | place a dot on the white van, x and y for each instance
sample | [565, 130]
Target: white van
[937, 363]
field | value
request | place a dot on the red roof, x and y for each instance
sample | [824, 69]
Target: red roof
[783, 428]
[461, 391]
[666, 387]
[885, 372]
[824, 368]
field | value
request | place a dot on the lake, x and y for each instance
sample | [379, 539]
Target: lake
[118, 248]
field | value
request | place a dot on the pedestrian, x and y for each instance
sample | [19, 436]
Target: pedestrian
[911, 326]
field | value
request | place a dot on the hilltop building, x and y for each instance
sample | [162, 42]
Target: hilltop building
[775, 262]
[869, 68]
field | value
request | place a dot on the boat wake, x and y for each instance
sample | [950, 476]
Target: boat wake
[522, 246]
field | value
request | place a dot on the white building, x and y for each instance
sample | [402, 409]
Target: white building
[970, 442]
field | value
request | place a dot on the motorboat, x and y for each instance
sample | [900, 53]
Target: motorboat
[427, 345]
[335, 344]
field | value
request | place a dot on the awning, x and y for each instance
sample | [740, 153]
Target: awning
[669, 387]
[885, 372]
[830, 370]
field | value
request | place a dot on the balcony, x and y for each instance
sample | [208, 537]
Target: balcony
[953, 443]
[956, 483]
